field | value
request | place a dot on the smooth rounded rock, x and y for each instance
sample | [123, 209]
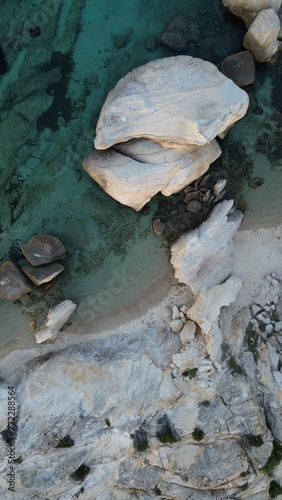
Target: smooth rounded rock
[202, 103]
[158, 227]
[240, 68]
[13, 283]
[194, 206]
[42, 249]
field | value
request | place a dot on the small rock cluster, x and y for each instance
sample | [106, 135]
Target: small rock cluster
[42, 252]
[180, 323]
[179, 31]
[264, 315]
[198, 197]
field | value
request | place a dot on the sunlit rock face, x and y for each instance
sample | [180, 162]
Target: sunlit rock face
[157, 129]
[202, 257]
[182, 100]
[133, 172]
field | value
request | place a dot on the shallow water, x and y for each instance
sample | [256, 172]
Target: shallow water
[51, 97]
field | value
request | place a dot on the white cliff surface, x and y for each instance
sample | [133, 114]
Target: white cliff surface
[202, 104]
[132, 173]
[202, 257]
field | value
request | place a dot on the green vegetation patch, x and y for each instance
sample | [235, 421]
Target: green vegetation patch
[65, 442]
[274, 489]
[80, 473]
[140, 439]
[165, 431]
[198, 434]
[253, 440]
[274, 459]
[234, 367]
[191, 373]
[251, 339]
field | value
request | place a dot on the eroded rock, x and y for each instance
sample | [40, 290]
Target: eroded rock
[55, 320]
[42, 249]
[202, 257]
[202, 104]
[262, 36]
[13, 283]
[134, 172]
[43, 274]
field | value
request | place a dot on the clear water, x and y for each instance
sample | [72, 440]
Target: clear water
[51, 96]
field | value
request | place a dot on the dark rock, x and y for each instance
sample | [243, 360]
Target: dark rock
[158, 227]
[240, 68]
[194, 206]
[43, 274]
[42, 249]
[179, 31]
[151, 44]
[13, 283]
[256, 182]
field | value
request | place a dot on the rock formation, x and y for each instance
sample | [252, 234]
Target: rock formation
[42, 249]
[202, 103]
[55, 320]
[42, 274]
[13, 283]
[263, 20]
[132, 173]
[240, 68]
[147, 143]
[202, 257]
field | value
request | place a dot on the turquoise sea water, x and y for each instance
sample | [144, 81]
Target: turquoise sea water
[59, 61]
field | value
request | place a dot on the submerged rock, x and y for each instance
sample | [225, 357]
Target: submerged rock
[132, 173]
[202, 104]
[201, 258]
[43, 274]
[42, 249]
[55, 320]
[179, 31]
[13, 283]
[240, 68]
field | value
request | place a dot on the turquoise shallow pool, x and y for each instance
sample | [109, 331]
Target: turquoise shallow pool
[58, 63]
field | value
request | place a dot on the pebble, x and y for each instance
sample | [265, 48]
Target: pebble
[263, 318]
[176, 325]
[278, 326]
[194, 206]
[219, 186]
[255, 309]
[175, 313]
[32, 325]
[268, 328]
[256, 182]
[158, 227]
[188, 332]
[61, 122]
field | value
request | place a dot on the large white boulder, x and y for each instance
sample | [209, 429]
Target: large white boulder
[202, 257]
[135, 171]
[262, 36]
[248, 9]
[182, 100]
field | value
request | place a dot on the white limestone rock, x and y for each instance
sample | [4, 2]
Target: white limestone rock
[206, 310]
[188, 332]
[55, 320]
[262, 36]
[202, 103]
[202, 257]
[248, 9]
[134, 172]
